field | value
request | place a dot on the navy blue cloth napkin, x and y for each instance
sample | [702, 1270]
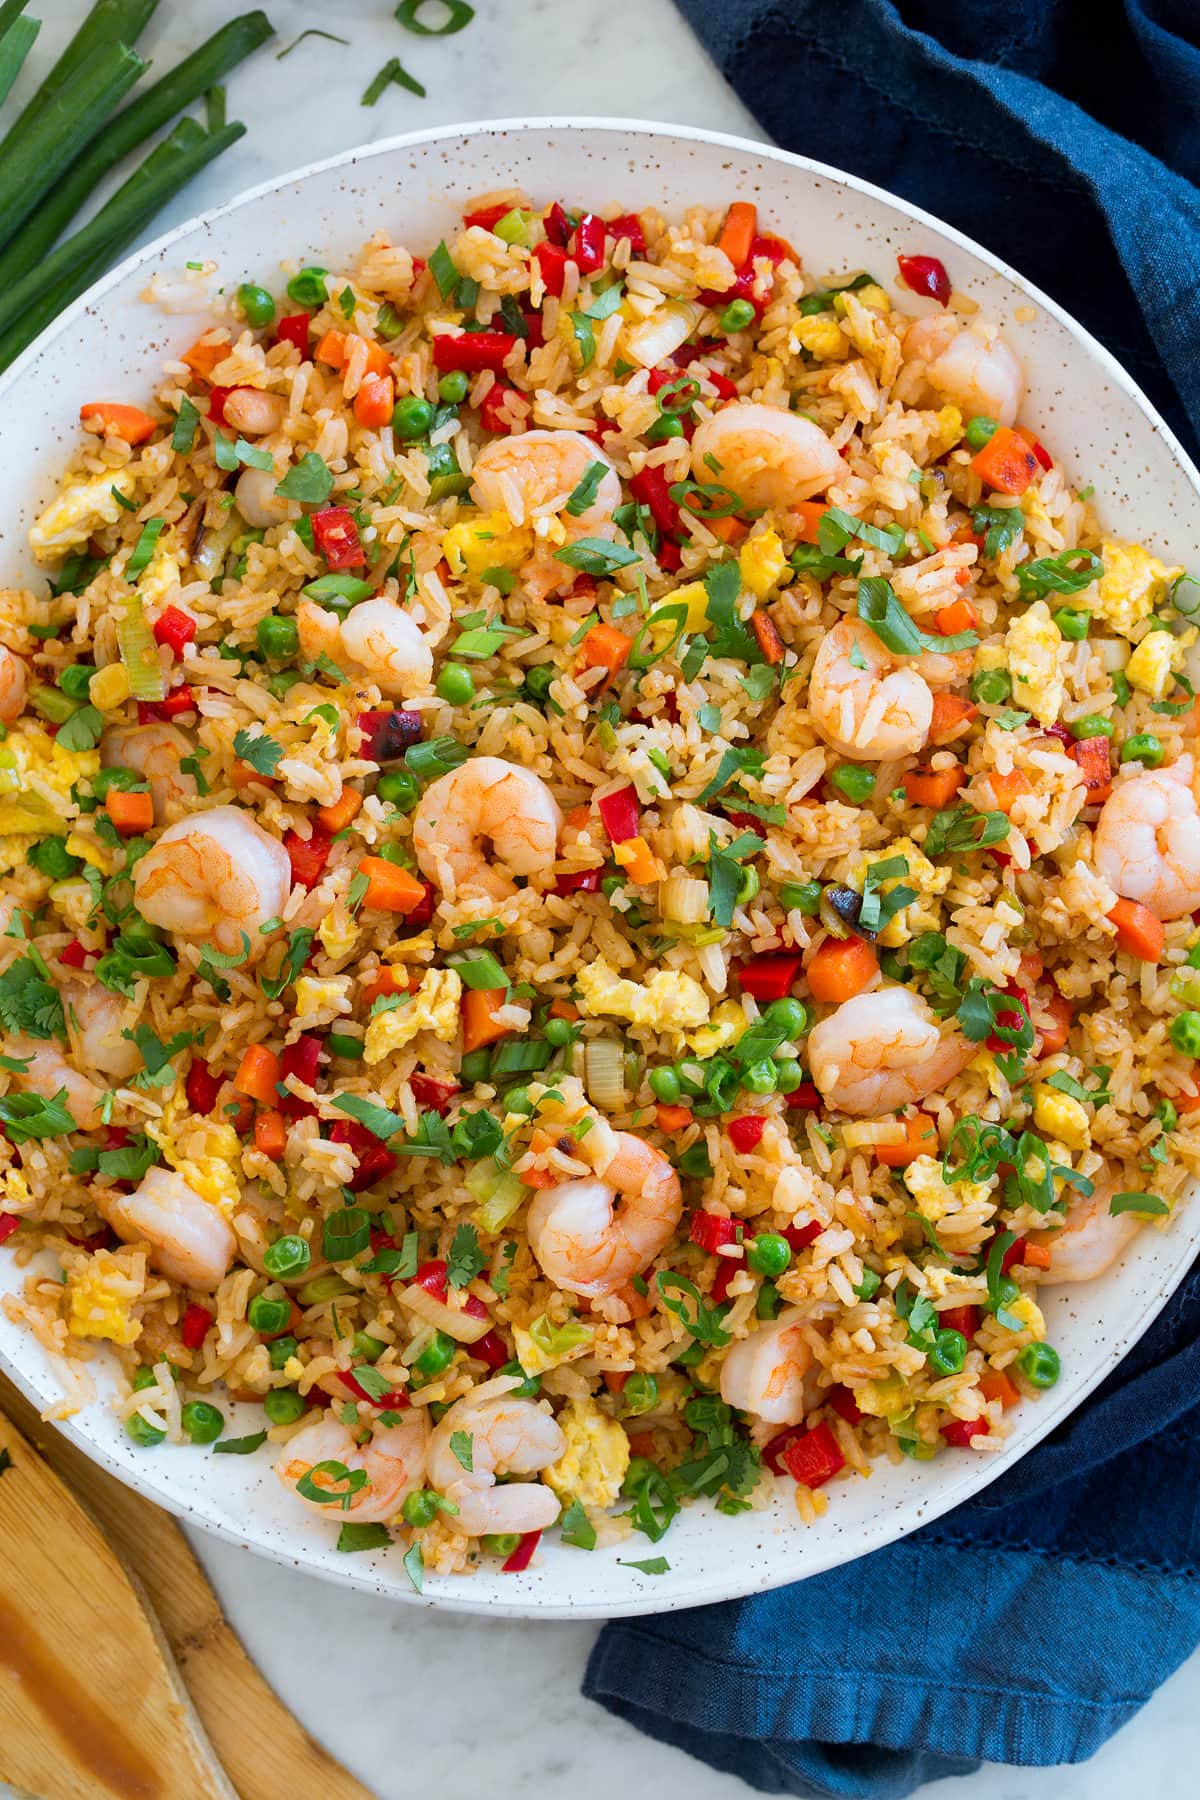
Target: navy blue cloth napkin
[1030, 1624]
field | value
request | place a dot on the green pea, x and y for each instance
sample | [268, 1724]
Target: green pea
[281, 1350]
[282, 681]
[453, 387]
[1040, 1364]
[287, 1256]
[76, 680]
[456, 685]
[51, 857]
[1166, 1115]
[788, 1015]
[476, 1066]
[1184, 1033]
[857, 784]
[307, 288]
[268, 1315]
[788, 1075]
[949, 1352]
[1142, 747]
[801, 896]
[687, 1359]
[980, 431]
[768, 1301]
[278, 638]
[1073, 622]
[141, 1433]
[559, 1032]
[868, 1287]
[531, 1385]
[769, 1253]
[760, 1078]
[202, 1422]
[665, 1085]
[399, 788]
[663, 428]
[640, 1394]
[991, 687]
[737, 315]
[748, 884]
[283, 1406]
[517, 1100]
[349, 1048]
[500, 1543]
[421, 1509]
[437, 1355]
[258, 308]
[612, 884]
[411, 417]
[1092, 725]
[536, 684]
[367, 1348]
[143, 1378]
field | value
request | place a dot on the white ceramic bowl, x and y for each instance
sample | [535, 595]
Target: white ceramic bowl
[110, 344]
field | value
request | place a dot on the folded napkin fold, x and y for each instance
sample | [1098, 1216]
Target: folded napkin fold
[1030, 1624]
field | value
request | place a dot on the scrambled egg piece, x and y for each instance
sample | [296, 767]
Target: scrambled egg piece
[822, 337]
[761, 562]
[488, 542]
[1131, 586]
[159, 577]
[338, 932]
[920, 914]
[100, 1295]
[592, 1467]
[948, 429]
[1032, 642]
[724, 1028]
[88, 851]
[694, 596]
[314, 995]
[203, 1153]
[936, 1197]
[669, 1001]
[888, 1399]
[30, 754]
[434, 1007]
[1156, 660]
[80, 509]
[1059, 1115]
[536, 1359]
[1027, 1310]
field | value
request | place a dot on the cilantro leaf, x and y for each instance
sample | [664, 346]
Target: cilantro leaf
[260, 751]
[466, 1259]
[374, 1117]
[462, 1447]
[26, 1116]
[577, 1528]
[29, 1002]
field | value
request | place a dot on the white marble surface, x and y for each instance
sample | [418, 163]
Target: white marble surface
[415, 1702]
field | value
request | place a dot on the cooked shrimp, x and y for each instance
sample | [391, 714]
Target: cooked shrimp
[1148, 840]
[254, 413]
[766, 456]
[486, 802]
[1091, 1239]
[536, 472]
[12, 686]
[190, 1239]
[258, 503]
[96, 1020]
[586, 1244]
[881, 1051]
[393, 1460]
[154, 752]
[377, 641]
[868, 702]
[215, 876]
[769, 1373]
[970, 365]
[49, 1073]
[508, 1437]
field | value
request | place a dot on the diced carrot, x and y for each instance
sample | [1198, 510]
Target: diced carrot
[810, 513]
[1139, 931]
[241, 774]
[960, 615]
[997, 1385]
[737, 233]
[636, 857]
[1006, 463]
[1187, 1103]
[729, 530]
[933, 787]
[374, 401]
[334, 350]
[538, 1178]
[950, 715]
[563, 1009]
[389, 887]
[203, 358]
[841, 968]
[920, 1139]
[270, 1134]
[107, 418]
[615, 1379]
[395, 979]
[1029, 968]
[578, 817]
[1009, 787]
[642, 1444]
[346, 807]
[1054, 1033]
[130, 813]
[769, 640]
[257, 1074]
[673, 1118]
[479, 1027]
[1036, 1256]
[604, 647]
[235, 1109]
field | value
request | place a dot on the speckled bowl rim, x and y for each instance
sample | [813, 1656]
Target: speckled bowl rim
[1184, 1239]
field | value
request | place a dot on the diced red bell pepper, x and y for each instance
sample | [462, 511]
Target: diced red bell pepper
[335, 535]
[491, 1350]
[746, 1132]
[497, 410]
[842, 1400]
[581, 881]
[652, 489]
[487, 216]
[552, 266]
[437, 1095]
[670, 556]
[773, 1449]
[710, 1231]
[925, 275]
[813, 1459]
[775, 249]
[201, 1087]
[74, 955]
[771, 976]
[960, 1318]
[302, 1060]
[800, 1237]
[420, 914]
[962, 1432]
[432, 1276]
[619, 813]
[1014, 1254]
[294, 330]
[727, 1268]
[175, 628]
[375, 1160]
[557, 225]
[472, 350]
[194, 1326]
[395, 1401]
[745, 821]
[8, 1227]
[739, 289]
[587, 248]
[629, 226]
[726, 388]
[1060, 732]
[386, 735]
[1039, 449]
[535, 330]
[1010, 1020]
[522, 1555]
[308, 856]
[474, 1308]
[181, 699]
[805, 1098]
[217, 396]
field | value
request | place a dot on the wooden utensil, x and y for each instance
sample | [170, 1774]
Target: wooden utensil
[119, 1674]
